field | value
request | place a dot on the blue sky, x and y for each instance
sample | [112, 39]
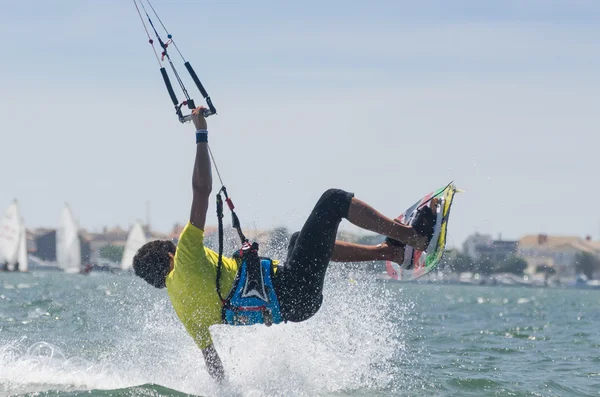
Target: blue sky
[388, 99]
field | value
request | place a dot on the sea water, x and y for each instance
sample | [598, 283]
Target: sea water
[114, 335]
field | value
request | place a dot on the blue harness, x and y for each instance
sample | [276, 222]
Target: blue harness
[252, 299]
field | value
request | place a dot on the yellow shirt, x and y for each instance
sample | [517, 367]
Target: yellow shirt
[192, 286]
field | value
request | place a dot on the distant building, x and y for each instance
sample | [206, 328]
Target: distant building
[557, 252]
[474, 242]
[483, 247]
[178, 228]
[43, 245]
[499, 250]
[115, 236]
[176, 232]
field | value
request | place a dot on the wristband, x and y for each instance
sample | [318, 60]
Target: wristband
[202, 136]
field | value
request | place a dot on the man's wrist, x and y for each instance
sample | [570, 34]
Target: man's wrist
[201, 135]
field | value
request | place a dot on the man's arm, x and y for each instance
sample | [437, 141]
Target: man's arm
[213, 363]
[202, 187]
[202, 177]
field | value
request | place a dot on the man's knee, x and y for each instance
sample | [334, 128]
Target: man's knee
[293, 239]
[336, 200]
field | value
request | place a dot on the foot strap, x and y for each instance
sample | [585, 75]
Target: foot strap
[395, 243]
[424, 222]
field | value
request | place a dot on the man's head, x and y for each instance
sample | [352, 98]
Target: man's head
[154, 261]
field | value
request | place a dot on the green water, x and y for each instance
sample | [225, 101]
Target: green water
[111, 335]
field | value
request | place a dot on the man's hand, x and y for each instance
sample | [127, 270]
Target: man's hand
[198, 118]
[213, 363]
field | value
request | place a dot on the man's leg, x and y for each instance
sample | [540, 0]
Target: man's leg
[366, 217]
[299, 284]
[350, 252]
[344, 251]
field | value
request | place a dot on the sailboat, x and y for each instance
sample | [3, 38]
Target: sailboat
[135, 240]
[22, 264]
[13, 240]
[68, 243]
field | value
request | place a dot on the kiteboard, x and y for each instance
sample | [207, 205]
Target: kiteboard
[418, 263]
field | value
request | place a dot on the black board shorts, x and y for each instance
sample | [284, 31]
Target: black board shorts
[299, 282]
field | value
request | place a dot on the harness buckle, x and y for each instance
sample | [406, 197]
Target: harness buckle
[267, 316]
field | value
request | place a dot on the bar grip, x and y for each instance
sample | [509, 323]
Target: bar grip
[196, 79]
[169, 86]
[192, 73]
[188, 117]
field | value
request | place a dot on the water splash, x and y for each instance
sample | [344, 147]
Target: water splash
[132, 337]
[43, 366]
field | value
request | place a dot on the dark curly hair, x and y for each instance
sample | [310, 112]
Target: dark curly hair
[152, 262]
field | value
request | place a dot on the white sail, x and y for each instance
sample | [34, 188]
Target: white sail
[68, 244]
[22, 258]
[10, 230]
[135, 239]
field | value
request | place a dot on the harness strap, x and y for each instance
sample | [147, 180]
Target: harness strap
[236, 225]
[234, 218]
[220, 261]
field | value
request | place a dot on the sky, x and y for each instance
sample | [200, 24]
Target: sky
[386, 99]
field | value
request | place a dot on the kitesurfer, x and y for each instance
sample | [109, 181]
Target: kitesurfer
[189, 270]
